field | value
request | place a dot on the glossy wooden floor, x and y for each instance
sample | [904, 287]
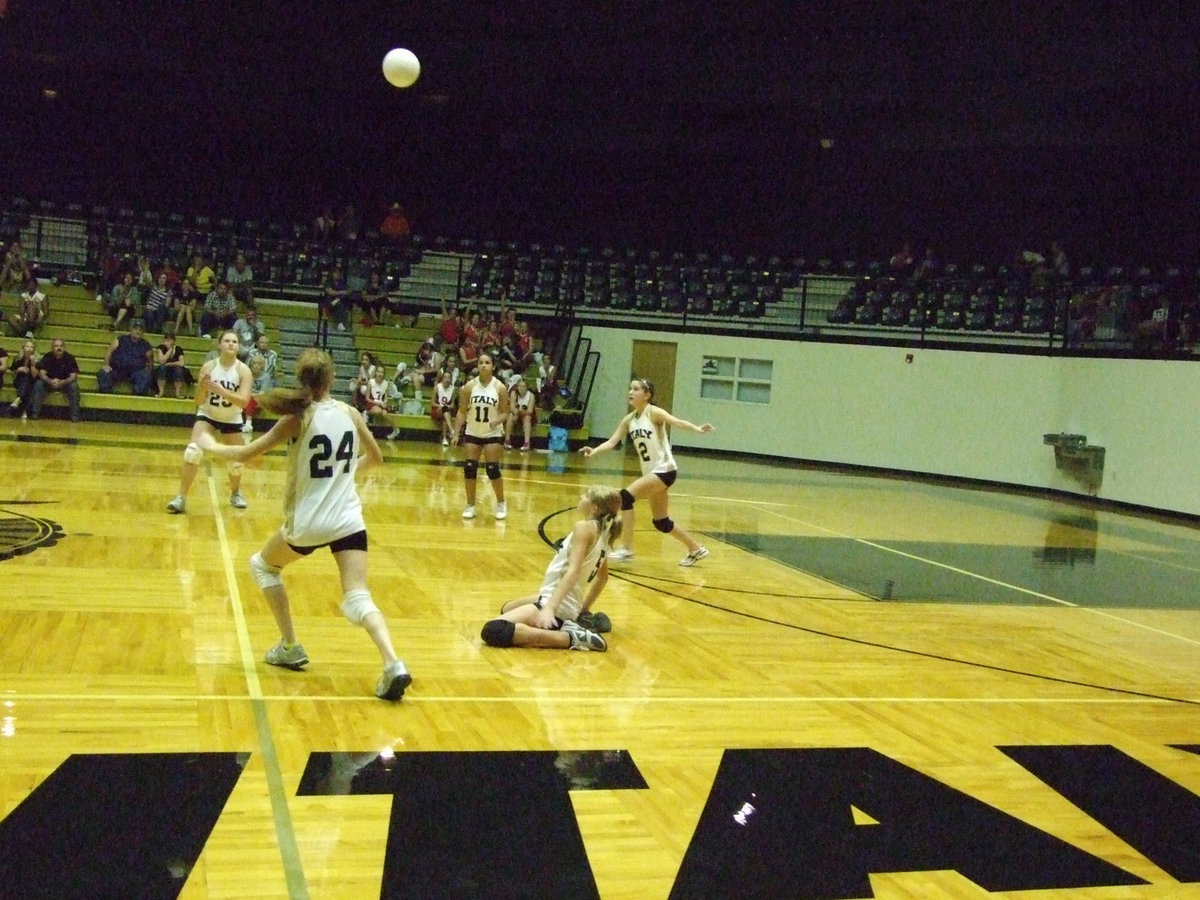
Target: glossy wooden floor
[136, 632]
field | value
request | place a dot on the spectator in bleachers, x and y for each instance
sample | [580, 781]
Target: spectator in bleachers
[366, 369]
[468, 356]
[324, 225]
[130, 357]
[159, 305]
[522, 405]
[171, 272]
[56, 371]
[220, 310]
[380, 398]
[249, 329]
[424, 371]
[374, 299]
[24, 370]
[451, 329]
[121, 305]
[349, 223]
[16, 269]
[187, 302]
[902, 262]
[33, 308]
[395, 224]
[144, 279]
[241, 280]
[335, 298]
[1058, 261]
[450, 364]
[445, 404]
[169, 367]
[264, 366]
[928, 267]
[201, 274]
[523, 348]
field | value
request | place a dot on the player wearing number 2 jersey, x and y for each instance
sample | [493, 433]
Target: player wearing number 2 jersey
[321, 508]
[646, 427]
[483, 409]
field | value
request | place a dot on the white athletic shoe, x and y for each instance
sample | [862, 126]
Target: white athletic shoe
[176, 505]
[445, 442]
[247, 427]
[694, 557]
[393, 681]
[501, 510]
[237, 501]
[393, 434]
[469, 512]
[621, 554]
[582, 639]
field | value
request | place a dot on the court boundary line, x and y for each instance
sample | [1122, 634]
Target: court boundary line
[285, 832]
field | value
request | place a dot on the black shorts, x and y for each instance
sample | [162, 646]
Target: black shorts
[482, 442]
[667, 478]
[223, 427]
[356, 541]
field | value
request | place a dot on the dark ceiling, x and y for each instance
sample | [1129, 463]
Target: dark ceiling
[840, 127]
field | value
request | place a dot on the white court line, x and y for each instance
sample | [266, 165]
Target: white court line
[609, 700]
[984, 578]
[285, 834]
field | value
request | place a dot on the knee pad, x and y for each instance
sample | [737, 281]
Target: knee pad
[471, 469]
[493, 470]
[264, 576]
[193, 454]
[498, 633]
[356, 605]
[235, 469]
[626, 499]
[665, 525]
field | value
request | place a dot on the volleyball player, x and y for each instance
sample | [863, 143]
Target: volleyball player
[483, 409]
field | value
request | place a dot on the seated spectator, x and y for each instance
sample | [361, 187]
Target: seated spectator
[249, 329]
[169, 367]
[395, 224]
[171, 272]
[144, 279]
[200, 273]
[380, 396]
[15, 269]
[122, 303]
[928, 267]
[24, 368]
[522, 348]
[130, 358]
[522, 412]
[264, 366]
[241, 280]
[324, 225]
[335, 298]
[451, 328]
[349, 224]
[902, 262]
[56, 371]
[1058, 261]
[366, 369]
[187, 304]
[160, 303]
[374, 299]
[444, 405]
[424, 371]
[468, 355]
[220, 311]
[32, 310]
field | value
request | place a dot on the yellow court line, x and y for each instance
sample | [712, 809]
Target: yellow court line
[994, 581]
[285, 834]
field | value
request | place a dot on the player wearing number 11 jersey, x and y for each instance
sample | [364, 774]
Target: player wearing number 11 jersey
[483, 409]
[321, 508]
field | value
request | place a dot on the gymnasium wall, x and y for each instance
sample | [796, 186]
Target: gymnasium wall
[956, 413]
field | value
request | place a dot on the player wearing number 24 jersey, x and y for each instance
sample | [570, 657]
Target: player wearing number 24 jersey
[321, 508]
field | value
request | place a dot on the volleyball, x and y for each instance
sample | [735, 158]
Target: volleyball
[401, 67]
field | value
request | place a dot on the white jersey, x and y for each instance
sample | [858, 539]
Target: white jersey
[522, 405]
[380, 393]
[569, 608]
[445, 395]
[321, 501]
[483, 409]
[652, 444]
[216, 407]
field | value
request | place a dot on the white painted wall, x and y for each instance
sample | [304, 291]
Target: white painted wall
[973, 415]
